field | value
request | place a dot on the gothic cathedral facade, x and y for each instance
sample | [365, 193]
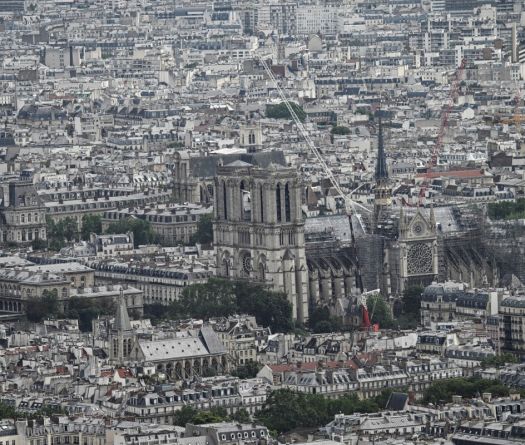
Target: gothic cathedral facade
[259, 230]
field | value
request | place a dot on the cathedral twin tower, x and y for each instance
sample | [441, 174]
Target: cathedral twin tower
[259, 230]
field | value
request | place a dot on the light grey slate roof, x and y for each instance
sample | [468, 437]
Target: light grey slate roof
[211, 340]
[239, 163]
[122, 322]
[185, 346]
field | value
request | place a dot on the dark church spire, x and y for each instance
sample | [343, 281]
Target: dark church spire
[381, 174]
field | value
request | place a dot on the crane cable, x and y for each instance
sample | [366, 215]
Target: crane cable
[349, 203]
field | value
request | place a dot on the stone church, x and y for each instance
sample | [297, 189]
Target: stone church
[259, 229]
[261, 235]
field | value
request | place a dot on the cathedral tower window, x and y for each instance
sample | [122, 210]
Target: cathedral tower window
[224, 200]
[287, 202]
[246, 205]
[278, 202]
[261, 202]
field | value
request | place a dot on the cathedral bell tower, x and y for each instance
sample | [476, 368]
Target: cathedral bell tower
[382, 190]
[258, 229]
[122, 336]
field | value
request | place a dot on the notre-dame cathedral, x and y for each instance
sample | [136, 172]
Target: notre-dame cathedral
[261, 234]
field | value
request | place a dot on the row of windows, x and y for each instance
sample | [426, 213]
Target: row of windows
[241, 435]
[31, 217]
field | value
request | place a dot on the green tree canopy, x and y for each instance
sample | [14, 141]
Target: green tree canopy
[408, 315]
[441, 391]
[142, 231]
[220, 297]
[59, 232]
[340, 130]
[507, 209]
[184, 415]
[85, 310]
[247, 371]
[499, 361]
[379, 311]
[90, 224]
[204, 233]
[214, 298]
[40, 308]
[320, 320]
[286, 410]
[281, 111]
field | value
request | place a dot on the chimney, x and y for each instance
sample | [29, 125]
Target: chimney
[487, 397]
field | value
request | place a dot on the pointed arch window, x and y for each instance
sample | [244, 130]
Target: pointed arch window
[224, 200]
[261, 202]
[287, 209]
[278, 202]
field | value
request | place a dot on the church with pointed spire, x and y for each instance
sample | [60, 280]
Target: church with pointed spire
[122, 336]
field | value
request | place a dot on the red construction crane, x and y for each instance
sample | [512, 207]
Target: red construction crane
[454, 88]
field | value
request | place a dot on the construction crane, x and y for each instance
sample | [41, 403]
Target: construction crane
[517, 118]
[367, 316]
[348, 202]
[454, 89]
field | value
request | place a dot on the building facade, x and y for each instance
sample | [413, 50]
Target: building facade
[22, 214]
[259, 230]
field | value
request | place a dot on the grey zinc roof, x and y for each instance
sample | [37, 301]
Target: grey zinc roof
[211, 340]
[183, 347]
[206, 166]
[239, 163]
[60, 268]
[397, 401]
[122, 322]
[339, 224]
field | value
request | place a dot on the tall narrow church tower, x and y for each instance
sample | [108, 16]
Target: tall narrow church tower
[382, 191]
[122, 337]
[259, 230]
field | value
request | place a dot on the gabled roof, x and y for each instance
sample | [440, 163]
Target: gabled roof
[397, 402]
[122, 322]
[239, 163]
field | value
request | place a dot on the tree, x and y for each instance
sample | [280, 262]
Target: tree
[188, 414]
[204, 233]
[441, 392]
[59, 232]
[185, 415]
[269, 308]
[142, 231]
[507, 209]
[286, 410]
[321, 321]
[408, 316]
[38, 244]
[90, 224]
[214, 298]
[412, 300]
[85, 310]
[40, 308]
[247, 371]
[281, 111]
[241, 416]
[499, 361]
[340, 130]
[379, 311]
[155, 312]
[220, 298]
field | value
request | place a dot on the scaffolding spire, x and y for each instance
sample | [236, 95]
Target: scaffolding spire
[381, 174]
